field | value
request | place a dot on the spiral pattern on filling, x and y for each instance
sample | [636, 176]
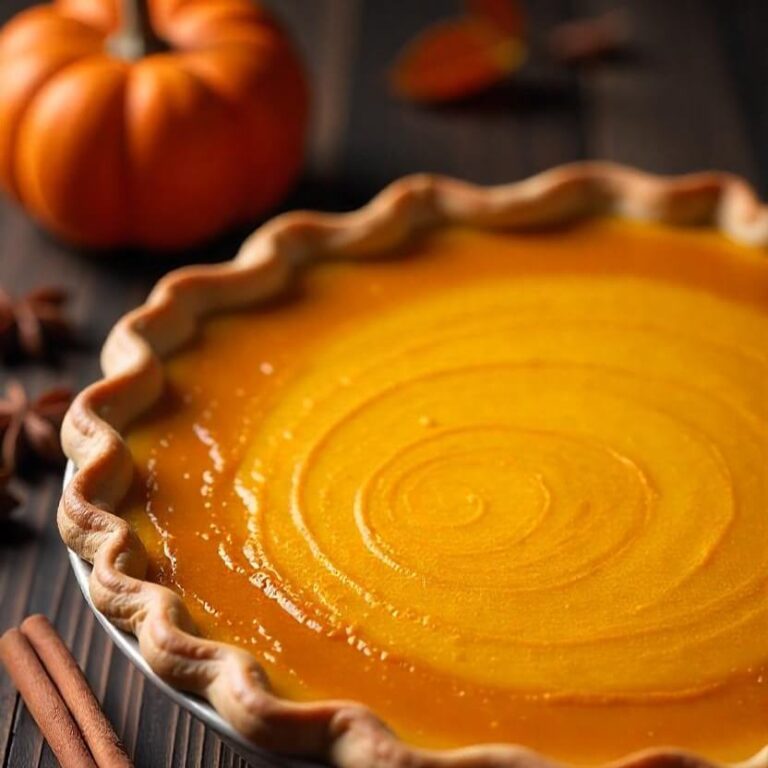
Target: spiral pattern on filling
[535, 484]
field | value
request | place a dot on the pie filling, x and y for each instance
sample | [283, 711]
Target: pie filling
[497, 486]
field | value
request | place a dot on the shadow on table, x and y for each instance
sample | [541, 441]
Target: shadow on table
[311, 192]
[15, 533]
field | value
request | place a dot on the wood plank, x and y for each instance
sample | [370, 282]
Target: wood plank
[671, 107]
[743, 32]
[511, 131]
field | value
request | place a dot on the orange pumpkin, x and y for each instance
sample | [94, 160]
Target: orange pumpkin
[108, 142]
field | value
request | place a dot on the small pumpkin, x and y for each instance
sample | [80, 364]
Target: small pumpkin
[156, 123]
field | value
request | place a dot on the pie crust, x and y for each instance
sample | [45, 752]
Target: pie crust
[342, 732]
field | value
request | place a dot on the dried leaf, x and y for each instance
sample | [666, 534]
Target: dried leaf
[587, 41]
[454, 59]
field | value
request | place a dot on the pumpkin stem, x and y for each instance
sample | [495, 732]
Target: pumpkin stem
[135, 37]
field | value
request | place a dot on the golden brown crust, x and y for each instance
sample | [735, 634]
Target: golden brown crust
[345, 733]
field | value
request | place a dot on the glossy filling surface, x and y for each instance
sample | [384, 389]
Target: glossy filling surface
[498, 487]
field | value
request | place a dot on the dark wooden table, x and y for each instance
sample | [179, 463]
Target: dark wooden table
[691, 95]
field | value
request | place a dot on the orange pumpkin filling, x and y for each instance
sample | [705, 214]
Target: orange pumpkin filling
[499, 487]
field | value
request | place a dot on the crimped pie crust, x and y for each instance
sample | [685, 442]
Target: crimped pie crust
[342, 732]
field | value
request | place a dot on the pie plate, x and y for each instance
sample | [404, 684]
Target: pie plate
[196, 706]
[170, 650]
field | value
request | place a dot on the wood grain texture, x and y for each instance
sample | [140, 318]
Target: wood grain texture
[690, 95]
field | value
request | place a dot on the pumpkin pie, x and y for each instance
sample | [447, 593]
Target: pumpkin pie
[485, 465]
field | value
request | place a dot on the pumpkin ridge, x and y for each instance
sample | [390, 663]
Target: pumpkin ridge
[53, 206]
[11, 179]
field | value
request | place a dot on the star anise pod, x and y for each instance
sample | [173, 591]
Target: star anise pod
[31, 324]
[8, 499]
[29, 429]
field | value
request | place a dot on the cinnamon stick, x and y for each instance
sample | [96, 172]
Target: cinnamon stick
[97, 731]
[44, 701]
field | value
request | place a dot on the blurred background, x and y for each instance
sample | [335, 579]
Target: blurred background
[681, 87]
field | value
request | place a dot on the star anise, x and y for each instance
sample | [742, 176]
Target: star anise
[8, 499]
[32, 324]
[29, 429]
